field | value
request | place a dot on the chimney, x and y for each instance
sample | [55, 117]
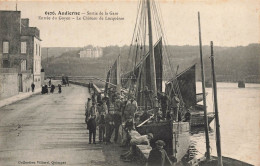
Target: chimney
[25, 22]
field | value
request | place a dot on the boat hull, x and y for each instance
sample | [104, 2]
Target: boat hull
[176, 135]
[199, 97]
[197, 120]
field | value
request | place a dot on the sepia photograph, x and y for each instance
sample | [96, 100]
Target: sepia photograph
[130, 83]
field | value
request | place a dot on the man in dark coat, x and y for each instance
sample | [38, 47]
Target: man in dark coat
[52, 88]
[67, 80]
[187, 116]
[101, 121]
[164, 103]
[117, 116]
[33, 86]
[148, 97]
[109, 121]
[92, 126]
[50, 82]
[59, 88]
[46, 89]
[43, 89]
[158, 156]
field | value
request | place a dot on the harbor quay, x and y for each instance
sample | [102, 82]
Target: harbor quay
[50, 129]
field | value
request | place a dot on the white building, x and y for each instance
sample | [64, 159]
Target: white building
[91, 52]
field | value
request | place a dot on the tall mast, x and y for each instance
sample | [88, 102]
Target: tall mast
[118, 78]
[152, 63]
[204, 96]
[218, 143]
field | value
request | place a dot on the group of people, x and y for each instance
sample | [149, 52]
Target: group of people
[52, 88]
[108, 113]
[114, 111]
[163, 106]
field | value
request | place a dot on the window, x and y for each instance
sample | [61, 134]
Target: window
[23, 47]
[23, 65]
[39, 50]
[34, 66]
[5, 47]
[36, 48]
[6, 63]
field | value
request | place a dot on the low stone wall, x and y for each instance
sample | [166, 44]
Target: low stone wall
[78, 83]
[8, 85]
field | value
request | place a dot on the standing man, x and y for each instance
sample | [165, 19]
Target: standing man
[88, 105]
[109, 121]
[148, 97]
[50, 82]
[164, 104]
[101, 120]
[46, 89]
[43, 89]
[59, 88]
[117, 115]
[175, 104]
[130, 109]
[33, 86]
[92, 126]
[52, 88]
[67, 80]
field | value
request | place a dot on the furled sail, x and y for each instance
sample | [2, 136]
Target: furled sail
[140, 76]
[113, 74]
[107, 81]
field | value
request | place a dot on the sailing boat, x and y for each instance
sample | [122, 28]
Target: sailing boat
[147, 73]
[187, 85]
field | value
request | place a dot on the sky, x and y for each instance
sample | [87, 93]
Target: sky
[225, 22]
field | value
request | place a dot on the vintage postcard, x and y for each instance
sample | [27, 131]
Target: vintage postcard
[129, 82]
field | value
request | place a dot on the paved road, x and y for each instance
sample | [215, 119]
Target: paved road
[50, 128]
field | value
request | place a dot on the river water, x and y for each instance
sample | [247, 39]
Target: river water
[239, 122]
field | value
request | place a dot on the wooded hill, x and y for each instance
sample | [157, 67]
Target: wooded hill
[231, 63]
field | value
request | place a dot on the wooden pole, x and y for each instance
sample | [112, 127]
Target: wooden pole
[204, 96]
[118, 88]
[218, 142]
[47, 57]
[152, 63]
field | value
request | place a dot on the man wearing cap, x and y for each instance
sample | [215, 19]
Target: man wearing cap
[102, 111]
[187, 116]
[158, 156]
[92, 123]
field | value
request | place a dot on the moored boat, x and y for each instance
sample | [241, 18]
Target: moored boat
[187, 86]
[241, 84]
[199, 97]
[146, 76]
[174, 134]
[197, 118]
